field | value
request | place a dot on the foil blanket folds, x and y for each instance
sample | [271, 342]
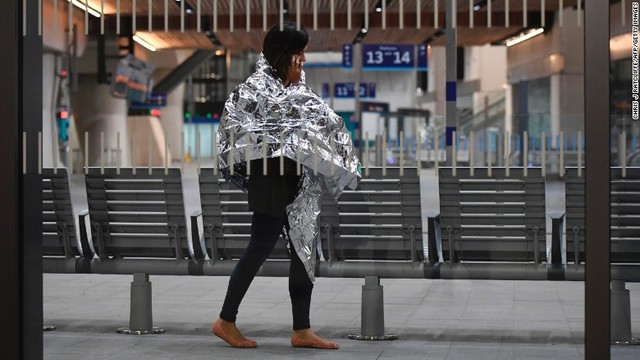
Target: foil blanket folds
[262, 118]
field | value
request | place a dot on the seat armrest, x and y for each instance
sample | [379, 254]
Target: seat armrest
[197, 240]
[86, 242]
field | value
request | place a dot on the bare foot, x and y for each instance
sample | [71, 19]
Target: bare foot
[228, 332]
[307, 338]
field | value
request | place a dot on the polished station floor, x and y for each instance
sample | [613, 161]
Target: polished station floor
[434, 319]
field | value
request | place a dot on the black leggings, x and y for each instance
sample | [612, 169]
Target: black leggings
[265, 232]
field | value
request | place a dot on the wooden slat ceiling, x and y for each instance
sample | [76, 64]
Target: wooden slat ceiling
[177, 40]
[324, 6]
[324, 39]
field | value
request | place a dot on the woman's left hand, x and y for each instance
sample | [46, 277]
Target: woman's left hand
[294, 74]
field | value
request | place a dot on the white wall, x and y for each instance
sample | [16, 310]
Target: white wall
[56, 38]
[558, 54]
[97, 111]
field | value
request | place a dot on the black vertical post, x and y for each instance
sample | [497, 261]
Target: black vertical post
[597, 163]
[102, 60]
[10, 341]
[20, 194]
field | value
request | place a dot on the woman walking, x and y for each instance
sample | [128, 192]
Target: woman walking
[267, 107]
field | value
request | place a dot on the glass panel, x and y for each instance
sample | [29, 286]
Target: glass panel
[625, 184]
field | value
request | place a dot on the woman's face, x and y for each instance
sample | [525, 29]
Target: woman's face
[294, 73]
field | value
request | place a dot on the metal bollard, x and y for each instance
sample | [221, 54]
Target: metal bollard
[140, 314]
[621, 315]
[372, 312]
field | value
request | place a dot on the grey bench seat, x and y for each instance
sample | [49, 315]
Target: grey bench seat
[379, 221]
[59, 238]
[492, 217]
[137, 214]
[624, 221]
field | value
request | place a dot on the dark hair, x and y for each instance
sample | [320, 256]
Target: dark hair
[279, 46]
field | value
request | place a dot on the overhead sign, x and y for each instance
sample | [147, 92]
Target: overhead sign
[347, 56]
[422, 58]
[388, 57]
[347, 90]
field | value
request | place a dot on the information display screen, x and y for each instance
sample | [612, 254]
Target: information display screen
[347, 90]
[388, 57]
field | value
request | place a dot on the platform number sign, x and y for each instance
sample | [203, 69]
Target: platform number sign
[388, 57]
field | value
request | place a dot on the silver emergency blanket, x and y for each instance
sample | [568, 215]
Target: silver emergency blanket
[262, 118]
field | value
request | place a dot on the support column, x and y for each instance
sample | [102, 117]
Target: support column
[372, 315]
[98, 111]
[357, 69]
[21, 194]
[140, 312]
[597, 182]
[452, 78]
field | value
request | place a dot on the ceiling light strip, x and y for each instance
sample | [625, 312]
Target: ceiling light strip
[401, 15]
[435, 14]
[561, 13]
[181, 16]
[151, 16]
[470, 14]
[264, 15]
[215, 15]
[525, 20]
[84, 6]
[524, 37]
[144, 43]
[231, 15]
[315, 14]
[133, 17]
[298, 14]
[333, 14]
[542, 20]
[418, 20]
[348, 14]
[248, 19]
[489, 13]
[506, 13]
[281, 10]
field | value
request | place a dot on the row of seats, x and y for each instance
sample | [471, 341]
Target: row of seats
[489, 217]
[498, 215]
[136, 216]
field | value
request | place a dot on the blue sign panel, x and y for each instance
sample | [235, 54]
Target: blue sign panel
[371, 90]
[325, 90]
[422, 58]
[388, 57]
[346, 90]
[347, 56]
